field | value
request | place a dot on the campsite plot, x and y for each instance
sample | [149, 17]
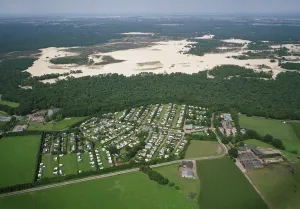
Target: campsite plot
[69, 164]
[18, 156]
[222, 180]
[129, 191]
[50, 164]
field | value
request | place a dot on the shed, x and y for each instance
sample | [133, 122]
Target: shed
[187, 174]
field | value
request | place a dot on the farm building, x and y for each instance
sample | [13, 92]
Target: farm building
[187, 174]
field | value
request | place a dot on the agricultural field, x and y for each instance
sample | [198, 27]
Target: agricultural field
[8, 103]
[278, 185]
[224, 186]
[18, 155]
[199, 148]
[264, 126]
[63, 124]
[128, 191]
[287, 132]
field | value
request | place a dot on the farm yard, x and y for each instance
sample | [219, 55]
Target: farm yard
[129, 191]
[18, 156]
[236, 191]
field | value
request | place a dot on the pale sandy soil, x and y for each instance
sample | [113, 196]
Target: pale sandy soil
[137, 33]
[162, 57]
[236, 41]
[207, 36]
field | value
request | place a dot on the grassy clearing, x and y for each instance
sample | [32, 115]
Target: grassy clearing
[18, 159]
[3, 113]
[278, 185]
[199, 148]
[63, 124]
[8, 103]
[129, 191]
[66, 123]
[224, 186]
[296, 128]
[41, 127]
[284, 131]
[264, 126]
[186, 185]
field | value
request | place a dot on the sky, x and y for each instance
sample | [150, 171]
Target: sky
[139, 7]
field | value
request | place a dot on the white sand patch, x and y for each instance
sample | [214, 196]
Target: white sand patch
[43, 66]
[138, 33]
[162, 57]
[207, 36]
[236, 41]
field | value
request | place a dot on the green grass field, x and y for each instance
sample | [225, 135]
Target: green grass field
[3, 113]
[199, 148]
[63, 124]
[280, 187]
[284, 131]
[296, 128]
[264, 126]
[224, 186]
[11, 104]
[18, 159]
[186, 185]
[128, 191]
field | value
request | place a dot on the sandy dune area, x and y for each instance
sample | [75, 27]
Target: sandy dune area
[162, 57]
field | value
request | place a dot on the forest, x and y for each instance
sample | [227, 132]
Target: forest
[225, 71]
[279, 98]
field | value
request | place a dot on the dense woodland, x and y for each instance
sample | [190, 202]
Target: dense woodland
[278, 98]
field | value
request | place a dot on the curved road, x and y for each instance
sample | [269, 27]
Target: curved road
[224, 148]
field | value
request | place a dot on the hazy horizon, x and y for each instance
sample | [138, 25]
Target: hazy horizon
[147, 7]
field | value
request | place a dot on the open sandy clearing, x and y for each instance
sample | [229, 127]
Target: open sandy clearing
[162, 57]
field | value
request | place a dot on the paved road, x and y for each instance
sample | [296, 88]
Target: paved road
[110, 174]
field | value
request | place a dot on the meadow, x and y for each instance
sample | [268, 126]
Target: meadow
[8, 103]
[199, 148]
[264, 126]
[278, 185]
[63, 124]
[287, 132]
[128, 191]
[3, 113]
[18, 156]
[224, 186]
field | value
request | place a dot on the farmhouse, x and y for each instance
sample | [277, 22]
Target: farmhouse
[187, 174]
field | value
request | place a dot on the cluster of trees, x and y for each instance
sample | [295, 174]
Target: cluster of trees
[290, 65]
[225, 71]
[258, 45]
[153, 175]
[80, 60]
[84, 96]
[251, 134]
[9, 125]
